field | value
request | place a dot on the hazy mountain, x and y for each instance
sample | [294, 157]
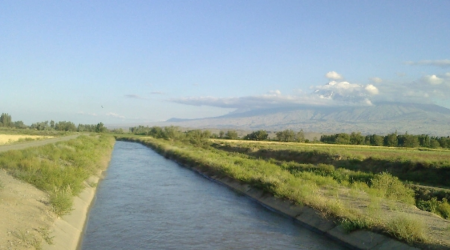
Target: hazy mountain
[381, 118]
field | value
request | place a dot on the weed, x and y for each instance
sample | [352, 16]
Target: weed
[61, 200]
[45, 233]
[28, 239]
[352, 225]
[408, 228]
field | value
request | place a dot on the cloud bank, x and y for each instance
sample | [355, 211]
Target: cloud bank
[337, 93]
[438, 63]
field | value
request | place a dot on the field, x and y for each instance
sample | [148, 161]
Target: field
[7, 139]
[359, 187]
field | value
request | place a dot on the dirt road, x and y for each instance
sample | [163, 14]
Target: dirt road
[24, 145]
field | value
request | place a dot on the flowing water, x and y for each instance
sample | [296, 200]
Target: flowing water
[149, 202]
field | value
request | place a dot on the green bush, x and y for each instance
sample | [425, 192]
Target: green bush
[392, 188]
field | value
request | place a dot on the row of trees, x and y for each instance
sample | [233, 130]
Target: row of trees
[288, 135]
[390, 140]
[6, 121]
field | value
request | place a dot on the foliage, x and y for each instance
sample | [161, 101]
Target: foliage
[289, 135]
[392, 188]
[259, 135]
[407, 228]
[5, 120]
[59, 169]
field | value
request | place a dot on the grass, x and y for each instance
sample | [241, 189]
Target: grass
[350, 163]
[321, 186]
[60, 169]
[407, 228]
[26, 238]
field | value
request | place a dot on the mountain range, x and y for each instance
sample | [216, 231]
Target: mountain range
[381, 118]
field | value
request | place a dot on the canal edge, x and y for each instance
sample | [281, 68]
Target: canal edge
[68, 230]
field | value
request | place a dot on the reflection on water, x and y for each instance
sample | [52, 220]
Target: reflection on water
[149, 202]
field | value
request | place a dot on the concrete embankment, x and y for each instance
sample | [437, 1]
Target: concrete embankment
[68, 229]
[305, 216]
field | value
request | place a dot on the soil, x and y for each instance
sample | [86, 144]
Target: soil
[25, 212]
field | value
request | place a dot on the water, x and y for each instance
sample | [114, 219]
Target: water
[149, 202]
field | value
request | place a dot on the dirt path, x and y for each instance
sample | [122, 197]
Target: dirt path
[25, 145]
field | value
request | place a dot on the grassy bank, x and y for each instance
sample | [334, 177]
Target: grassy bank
[354, 203]
[61, 168]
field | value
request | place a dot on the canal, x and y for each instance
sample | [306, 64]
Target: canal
[149, 202]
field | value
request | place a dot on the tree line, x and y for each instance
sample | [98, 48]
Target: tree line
[288, 135]
[389, 140]
[6, 121]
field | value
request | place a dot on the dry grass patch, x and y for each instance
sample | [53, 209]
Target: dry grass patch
[7, 139]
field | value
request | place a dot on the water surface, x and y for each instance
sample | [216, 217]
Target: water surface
[149, 202]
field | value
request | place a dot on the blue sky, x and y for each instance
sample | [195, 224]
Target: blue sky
[147, 61]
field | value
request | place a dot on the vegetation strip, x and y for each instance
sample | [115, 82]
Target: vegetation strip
[322, 193]
[60, 169]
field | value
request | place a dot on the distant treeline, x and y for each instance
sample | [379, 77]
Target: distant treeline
[390, 140]
[288, 135]
[6, 121]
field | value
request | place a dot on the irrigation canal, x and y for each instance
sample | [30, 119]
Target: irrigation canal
[149, 202]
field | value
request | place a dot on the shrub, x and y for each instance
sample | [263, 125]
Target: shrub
[392, 188]
[61, 200]
[407, 228]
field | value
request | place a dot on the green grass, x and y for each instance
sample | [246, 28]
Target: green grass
[59, 169]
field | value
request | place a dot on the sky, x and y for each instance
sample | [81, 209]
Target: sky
[131, 62]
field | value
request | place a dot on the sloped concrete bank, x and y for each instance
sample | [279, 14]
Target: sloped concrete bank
[303, 215]
[67, 231]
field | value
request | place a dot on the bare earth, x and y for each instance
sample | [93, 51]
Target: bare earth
[25, 213]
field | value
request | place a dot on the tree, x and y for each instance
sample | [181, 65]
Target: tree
[356, 138]
[300, 136]
[410, 141]
[391, 140]
[5, 120]
[434, 143]
[19, 124]
[100, 128]
[343, 138]
[286, 135]
[231, 134]
[376, 140]
[259, 135]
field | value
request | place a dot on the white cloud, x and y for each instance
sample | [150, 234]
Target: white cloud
[275, 92]
[115, 115]
[157, 93]
[433, 80]
[371, 89]
[439, 63]
[333, 75]
[88, 114]
[333, 93]
[426, 89]
[376, 80]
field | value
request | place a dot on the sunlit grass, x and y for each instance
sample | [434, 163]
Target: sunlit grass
[59, 169]
[8, 139]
